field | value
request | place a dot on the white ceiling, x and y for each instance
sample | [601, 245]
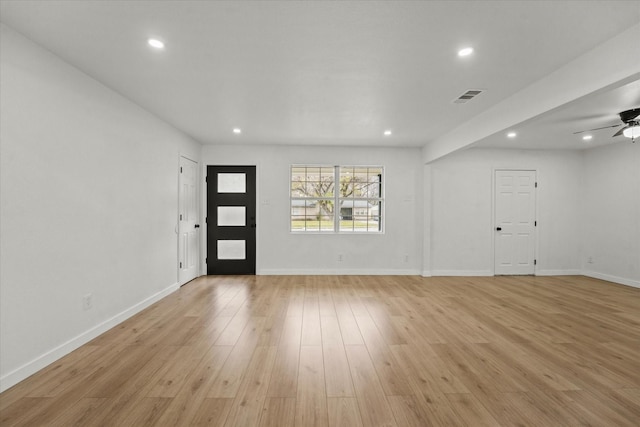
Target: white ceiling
[556, 129]
[334, 73]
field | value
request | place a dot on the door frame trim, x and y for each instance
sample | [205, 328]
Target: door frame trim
[204, 227]
[536, 242]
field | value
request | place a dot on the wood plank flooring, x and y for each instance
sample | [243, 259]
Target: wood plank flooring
[354, 351]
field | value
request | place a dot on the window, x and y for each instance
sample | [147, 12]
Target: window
[360, 198]
[354, 204]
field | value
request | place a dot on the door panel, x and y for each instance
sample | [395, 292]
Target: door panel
[189, 237]
[231, 220]
[515, 207]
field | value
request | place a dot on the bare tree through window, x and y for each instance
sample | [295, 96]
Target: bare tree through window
[356, 207]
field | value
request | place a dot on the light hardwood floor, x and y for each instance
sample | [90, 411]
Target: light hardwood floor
[349, 351]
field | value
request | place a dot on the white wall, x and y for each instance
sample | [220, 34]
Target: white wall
[611, 213]
[461, 208]
[88, 206]
[281, 252]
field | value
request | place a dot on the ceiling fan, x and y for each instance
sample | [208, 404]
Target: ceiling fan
[630, 118]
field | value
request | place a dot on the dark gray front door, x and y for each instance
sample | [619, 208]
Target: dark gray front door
[231, 220]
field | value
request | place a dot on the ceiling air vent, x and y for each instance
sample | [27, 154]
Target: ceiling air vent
[467, 96]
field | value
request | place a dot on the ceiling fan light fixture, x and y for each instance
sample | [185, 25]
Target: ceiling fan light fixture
[632, 132]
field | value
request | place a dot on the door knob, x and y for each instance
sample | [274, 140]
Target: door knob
[499, 228]
[197, 226]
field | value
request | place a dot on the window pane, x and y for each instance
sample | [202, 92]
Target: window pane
[346, 182]
[298, 189]
[312, 215]
[360, 182]
[360, 215]
[375, 174]
[325, 187]
[297, 222]
[231, 249]
[326, 223]
[231, 216]
[311, 224]
[372, 190]
[312, 182]
[232, 183]
[375, 216]
[360, 223]
[325, 207]
[346, 225]
[375, 209]
[313, 174]
[298, 173]
[328, 174]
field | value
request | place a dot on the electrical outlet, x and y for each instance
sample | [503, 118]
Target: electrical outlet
[340, 257]
[87, 302]
[590, 260]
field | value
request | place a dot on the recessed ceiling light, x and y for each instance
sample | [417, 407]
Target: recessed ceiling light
[237, 130]
[587, 137]
[387, 132]
[465, 52]
[512, 135]
[155, 43]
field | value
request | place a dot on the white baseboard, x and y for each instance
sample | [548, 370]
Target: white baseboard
[461, 273]
[436, 273]
[331, 272]
[558, 272]
[610, 278]
[30, 368]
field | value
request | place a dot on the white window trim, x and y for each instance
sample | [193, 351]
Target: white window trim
[336, 199]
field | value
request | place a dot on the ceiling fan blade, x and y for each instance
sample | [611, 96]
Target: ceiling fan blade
[589, 130]
[620, 131]
[630, 115]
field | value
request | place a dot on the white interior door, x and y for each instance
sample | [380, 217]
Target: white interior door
[515, 213]
[188, 227]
